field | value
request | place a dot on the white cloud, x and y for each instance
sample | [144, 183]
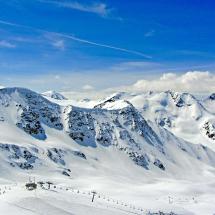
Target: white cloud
[193, 81]
[168, 76]
[100, 9]
[97, 8]
[88, 87]
[59, 44]
[147, 76]
[55, 40]
[6, 44]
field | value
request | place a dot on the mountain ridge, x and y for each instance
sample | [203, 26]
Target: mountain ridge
[144, 142]
[119, 144]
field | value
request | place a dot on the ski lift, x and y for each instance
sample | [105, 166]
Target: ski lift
[31, 186]
[94, 193]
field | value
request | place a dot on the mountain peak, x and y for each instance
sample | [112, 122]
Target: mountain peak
[54, 95]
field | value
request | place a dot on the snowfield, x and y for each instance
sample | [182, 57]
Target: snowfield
[145, 153]
[181, 197]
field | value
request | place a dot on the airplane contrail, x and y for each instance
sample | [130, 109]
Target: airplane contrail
[77, 39]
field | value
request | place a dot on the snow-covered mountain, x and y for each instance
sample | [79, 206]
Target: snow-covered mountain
[124, 129]
[180, 113]
[54, 95]
[128, 138]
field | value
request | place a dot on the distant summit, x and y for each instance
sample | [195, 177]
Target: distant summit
[54, 95]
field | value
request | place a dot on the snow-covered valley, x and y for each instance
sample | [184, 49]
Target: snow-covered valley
[141, 153]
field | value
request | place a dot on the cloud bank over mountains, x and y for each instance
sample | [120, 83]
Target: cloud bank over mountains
[192, 81]
[112, 81]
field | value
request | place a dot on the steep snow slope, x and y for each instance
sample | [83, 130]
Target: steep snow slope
[108, 146]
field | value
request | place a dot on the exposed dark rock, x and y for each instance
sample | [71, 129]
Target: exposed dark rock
[65, 173]
[212, 96]
[56, 155]
[19, 156]
[210, 130]
[80, 154]
[159, 164]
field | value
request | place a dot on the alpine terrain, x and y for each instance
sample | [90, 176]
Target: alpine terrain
[144, 153]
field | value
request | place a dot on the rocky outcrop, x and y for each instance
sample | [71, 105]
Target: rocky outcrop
[19, 156]
[209, 127]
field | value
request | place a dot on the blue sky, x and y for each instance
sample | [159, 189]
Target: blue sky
[103, 43]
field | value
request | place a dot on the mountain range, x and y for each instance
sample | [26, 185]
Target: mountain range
[126, 139]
